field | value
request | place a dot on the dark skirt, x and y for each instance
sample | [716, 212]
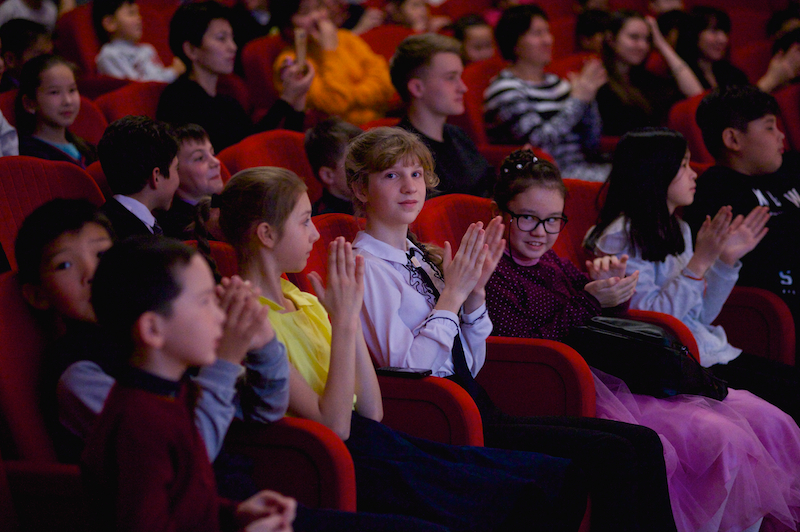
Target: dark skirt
[463, 488]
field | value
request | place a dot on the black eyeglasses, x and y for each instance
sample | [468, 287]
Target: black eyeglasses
[528, 223]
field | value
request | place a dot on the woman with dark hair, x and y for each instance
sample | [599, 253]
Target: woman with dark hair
[200, 34]
[703, 44]
[710, 447]
[633, 96]
[526, 104]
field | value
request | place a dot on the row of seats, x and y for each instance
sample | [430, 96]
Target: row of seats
[321, 470]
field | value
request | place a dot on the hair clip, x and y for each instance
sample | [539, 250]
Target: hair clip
[216, 201]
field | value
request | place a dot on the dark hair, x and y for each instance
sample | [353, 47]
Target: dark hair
[30, 79]
[326, 142]
[645, 163]
[19, 34]
[261, 194]
[461, 25]
[137, 275]
[44, 225]
[733, 107]
[701, 18]
[102, 9]
[591, 22]
[281, 13]
[190, 23]
[627, 92]
[780, 18]
[522, 170]
[416, 53]
[131, 148]
[513, 24]
[671, 20]
[189, 132]
[786, 40]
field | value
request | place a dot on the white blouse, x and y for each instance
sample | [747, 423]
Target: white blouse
[400, 326]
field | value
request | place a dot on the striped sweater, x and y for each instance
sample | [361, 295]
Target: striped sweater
[544, 114]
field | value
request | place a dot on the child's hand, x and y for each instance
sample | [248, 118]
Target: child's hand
[606, 267]
[462, 271]
[247, 325]
[613, 291]
[178, 66]
[267, 511]
[344, 295]
[711, 239]
[745, 234]
[496, 245]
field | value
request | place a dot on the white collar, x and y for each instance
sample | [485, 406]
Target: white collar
[138, 209]
[382, 250]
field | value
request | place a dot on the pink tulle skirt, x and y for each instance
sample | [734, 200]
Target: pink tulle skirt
[729, 462]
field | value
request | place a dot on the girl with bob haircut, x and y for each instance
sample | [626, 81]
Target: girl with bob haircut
[425, 308]
[714, 451]
[266, 214]
[633, 96]
[47, 104]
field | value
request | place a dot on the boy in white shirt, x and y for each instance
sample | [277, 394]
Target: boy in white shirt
[119, 25]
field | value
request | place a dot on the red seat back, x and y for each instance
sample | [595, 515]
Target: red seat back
[29, 182]
[682, 119]
[273, 148]
[385, 39]
[258, 58]
[569, 63]
[329, 226]
[389, 122]
[455, 9]
[581, 210]
[447, 218]
[22, 342]
[89, 124]
[752, 57]
[477, 77]
[132, 99]
[563, 31]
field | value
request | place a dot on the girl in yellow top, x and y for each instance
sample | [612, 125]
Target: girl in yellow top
[351, 81]
[266, 214]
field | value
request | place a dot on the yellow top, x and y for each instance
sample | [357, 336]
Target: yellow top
[351, 82]
[306, 333]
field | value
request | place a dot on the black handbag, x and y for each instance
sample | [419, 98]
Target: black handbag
[647, 357]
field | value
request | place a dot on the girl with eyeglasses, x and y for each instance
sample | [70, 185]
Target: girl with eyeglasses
[425, 308]
[729, 463]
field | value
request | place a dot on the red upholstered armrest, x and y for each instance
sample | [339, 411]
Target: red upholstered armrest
[432, 408]
[300, 458]
[671, 323]
[47, 496]
[531, 377]
[759, 322]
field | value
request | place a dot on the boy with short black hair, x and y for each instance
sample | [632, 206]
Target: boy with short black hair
[118, 25]
[326, 148]
[199, 173]
[139, 158]
[57, 249]
[740, 129]
[426, 72]
[475, 36]
[145, 465]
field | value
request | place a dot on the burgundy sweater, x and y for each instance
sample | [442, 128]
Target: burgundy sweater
[145, 467]
[540, 301]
